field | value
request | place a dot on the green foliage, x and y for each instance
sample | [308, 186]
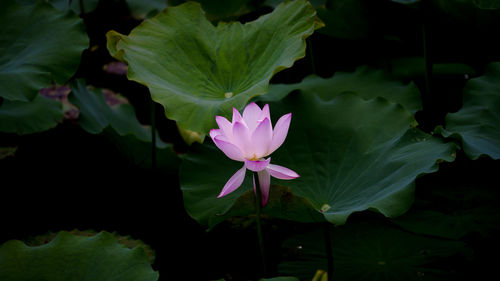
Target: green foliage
[71, 257]
[370, 251]
[33, 48]
[201, 70]
[477, 124]
[205, 170]
[120, 124]
[29, 117]
[352, 155]
[365, 82]
[96, 114]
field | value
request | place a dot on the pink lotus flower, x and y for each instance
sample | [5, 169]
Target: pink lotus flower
[250, 138]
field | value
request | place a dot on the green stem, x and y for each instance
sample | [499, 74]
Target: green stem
[153, 134]
[258, 208]
[328, 249]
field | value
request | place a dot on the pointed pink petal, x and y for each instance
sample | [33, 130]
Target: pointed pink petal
[241, 138]
[262, 137]
[233, 183]
[265, 113]
[225, 126]
[258, 165]
[265, 184]
[251, 115]
[214, 133]
[281, 172]
[236, 116]
[231, 150]
[280, 132]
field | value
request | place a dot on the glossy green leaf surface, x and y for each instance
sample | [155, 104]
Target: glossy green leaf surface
[197, 70]
[120, 124]
[78, 258]
[370, 251]
[34, 49]
[364, 82]
[477, 124]
[96, 114]
[29, 117]
[352, 155]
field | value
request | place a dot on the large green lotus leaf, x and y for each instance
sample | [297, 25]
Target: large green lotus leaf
[77, 258]
[126, 240]
[203, 173]
[352, 155]
[452, 211]
[120, 124]
[370, 251]
[197, 70]
[34, 48]
[365, 82]
[477, 124]
[29, 117]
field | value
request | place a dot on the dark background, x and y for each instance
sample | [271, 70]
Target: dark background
[66, 179]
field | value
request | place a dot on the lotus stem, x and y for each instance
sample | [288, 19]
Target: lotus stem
[258, 208]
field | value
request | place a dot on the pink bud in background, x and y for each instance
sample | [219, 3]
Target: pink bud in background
[249, 139]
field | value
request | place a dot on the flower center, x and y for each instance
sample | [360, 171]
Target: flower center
[254, 158]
